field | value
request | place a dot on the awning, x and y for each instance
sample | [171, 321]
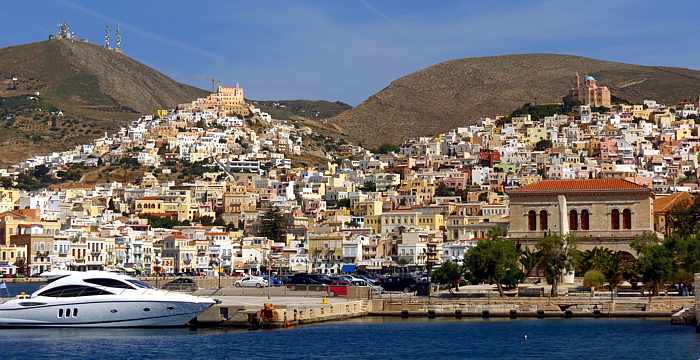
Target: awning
[348, 268]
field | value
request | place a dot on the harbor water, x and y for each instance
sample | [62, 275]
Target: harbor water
[370, 338]
[13, 289]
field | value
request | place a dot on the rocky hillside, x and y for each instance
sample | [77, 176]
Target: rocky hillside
[458, 92]
[96, 89]
[309, 109]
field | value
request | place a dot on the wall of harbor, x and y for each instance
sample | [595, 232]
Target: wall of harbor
[534, 307]
[273, 315]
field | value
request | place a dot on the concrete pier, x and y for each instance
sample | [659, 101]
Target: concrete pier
[260, 312]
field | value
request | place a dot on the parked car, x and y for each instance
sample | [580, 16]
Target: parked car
[320, 278]
[274, 281]
[396, 283]
[301, 279]
[251, 281]
[181, 284]
[372, 280]
[339, 287]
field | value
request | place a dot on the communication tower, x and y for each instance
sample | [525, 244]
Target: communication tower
[107, 37]
[118, 40]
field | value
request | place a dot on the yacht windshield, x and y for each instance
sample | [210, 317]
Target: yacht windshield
[141, 284]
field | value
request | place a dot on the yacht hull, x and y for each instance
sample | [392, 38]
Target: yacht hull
[102, 314]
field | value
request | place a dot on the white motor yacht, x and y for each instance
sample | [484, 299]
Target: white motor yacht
[101, 299]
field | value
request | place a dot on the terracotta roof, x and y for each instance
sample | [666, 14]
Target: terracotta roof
[584, 185]
[677, 199]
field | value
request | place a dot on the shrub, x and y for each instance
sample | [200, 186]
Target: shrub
[593, 279]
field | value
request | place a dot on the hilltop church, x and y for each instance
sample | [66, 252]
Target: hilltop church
[590, 93]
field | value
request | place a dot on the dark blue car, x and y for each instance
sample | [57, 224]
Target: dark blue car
[273, 281]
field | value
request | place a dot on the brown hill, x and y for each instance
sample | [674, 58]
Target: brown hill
[309, 109]
[97, 90]
[458, 92]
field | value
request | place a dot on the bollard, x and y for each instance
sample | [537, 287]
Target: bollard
[568, 314]
[404, 313]
[431, 314]
[596, 313]
[485, 314]
[513, 314]
[540, 314]
[458, 314]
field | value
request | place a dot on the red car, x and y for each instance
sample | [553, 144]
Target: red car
[339, 287]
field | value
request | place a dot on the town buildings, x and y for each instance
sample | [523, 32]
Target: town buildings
[217, 185]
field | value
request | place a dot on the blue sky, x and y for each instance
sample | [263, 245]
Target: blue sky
[348, 50]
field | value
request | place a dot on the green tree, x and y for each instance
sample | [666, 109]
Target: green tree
[162, 222]
[219, 221]
[273, 224]
[492, 260]
[449, 273]
[343, 203]
[387, 148]
[655, 266]
[529, 260]
[686, 255]
[593, 279]
[613, 266]
[543, 145]
[206, 220]
[558, 257]
[443, 190]
[685, 221]
[592, 259]
[111, 206]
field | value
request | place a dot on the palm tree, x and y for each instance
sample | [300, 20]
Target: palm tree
[558, 257]
[613, 266]
[593, 259]
[529, 260]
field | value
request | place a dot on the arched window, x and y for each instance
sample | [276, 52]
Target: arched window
[573, 220]
[532, 220]
[585, 221]
[626, 219]
[615, 219]
[543, 220]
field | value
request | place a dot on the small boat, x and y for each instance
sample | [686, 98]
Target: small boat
[101, 299]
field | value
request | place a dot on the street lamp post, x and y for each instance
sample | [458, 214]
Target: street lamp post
[269, 275]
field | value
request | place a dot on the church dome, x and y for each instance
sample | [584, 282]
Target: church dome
[588, 77]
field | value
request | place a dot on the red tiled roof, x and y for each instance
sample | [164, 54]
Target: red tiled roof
[585, 185]
[677, 200]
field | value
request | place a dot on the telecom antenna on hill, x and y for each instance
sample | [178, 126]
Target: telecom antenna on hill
[107, 37]
[118, 40]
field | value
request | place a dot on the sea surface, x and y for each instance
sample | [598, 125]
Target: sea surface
[13, 289]
[371, 338]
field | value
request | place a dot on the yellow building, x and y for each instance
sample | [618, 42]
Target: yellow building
[535, 134]
[160, 113]
[9, 199]
[389, 221]
[326, 246]
[416, 192]
[368, 208]
[226, 101]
